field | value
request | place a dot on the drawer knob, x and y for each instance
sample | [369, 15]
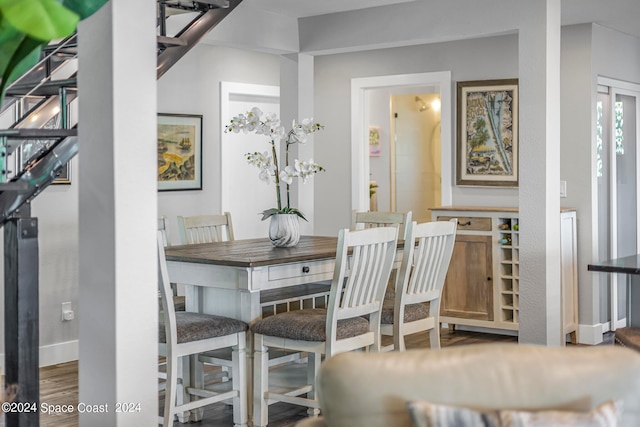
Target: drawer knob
[305, 269]
[464, 224]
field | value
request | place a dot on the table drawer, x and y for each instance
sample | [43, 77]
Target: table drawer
[300, 269]
[470, 223]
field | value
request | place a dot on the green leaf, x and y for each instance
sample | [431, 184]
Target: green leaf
[297, 212]
[275, 211]
[41, 19]
[25, 56]
[270, 212]
[84, 8]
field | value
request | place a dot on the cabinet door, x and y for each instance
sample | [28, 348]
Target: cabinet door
[468, 289]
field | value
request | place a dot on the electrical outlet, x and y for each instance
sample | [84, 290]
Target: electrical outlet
[67, 312]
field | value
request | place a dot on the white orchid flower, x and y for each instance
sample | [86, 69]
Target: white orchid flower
[287, 175]
[268, 124]
[266, 174]
[306, 169]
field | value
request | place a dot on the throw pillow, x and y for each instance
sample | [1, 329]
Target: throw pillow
[426, 414]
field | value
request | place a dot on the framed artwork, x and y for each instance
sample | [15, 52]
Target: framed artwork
[374, 141]
[487, 151]
[179, 152]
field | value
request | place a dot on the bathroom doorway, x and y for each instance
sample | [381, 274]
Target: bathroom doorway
[373, 140]
[415, 154]
[405, 166]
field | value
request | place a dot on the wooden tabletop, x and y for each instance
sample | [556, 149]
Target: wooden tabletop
[628, 264]
[254, 252]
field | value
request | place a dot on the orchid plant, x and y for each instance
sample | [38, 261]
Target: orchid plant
[271, 170]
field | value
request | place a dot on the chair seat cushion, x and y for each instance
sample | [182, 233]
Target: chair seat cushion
[412, 312]
[308, 325]
[198, 326]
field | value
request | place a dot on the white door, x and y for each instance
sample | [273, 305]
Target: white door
[243, 193]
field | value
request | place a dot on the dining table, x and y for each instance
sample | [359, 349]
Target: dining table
[228, 278]
[628, 265]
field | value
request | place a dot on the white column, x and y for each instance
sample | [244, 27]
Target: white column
[539, 65]
[296, 102]
[118, 298]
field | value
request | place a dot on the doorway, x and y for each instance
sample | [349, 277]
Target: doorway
[415, 154]
[242, 192]
[366, 91]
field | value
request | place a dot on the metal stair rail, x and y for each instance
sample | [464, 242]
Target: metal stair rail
[39, 139]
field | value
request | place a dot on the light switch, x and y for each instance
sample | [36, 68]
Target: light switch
[563, 188]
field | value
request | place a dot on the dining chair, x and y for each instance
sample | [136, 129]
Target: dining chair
[163, 227]
[363, 264]
[186, 334]
[425, 260]
[372, 219]
[205, 228]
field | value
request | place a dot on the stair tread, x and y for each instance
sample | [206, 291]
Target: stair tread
[37, 133]
[49, 88]
[171, 41]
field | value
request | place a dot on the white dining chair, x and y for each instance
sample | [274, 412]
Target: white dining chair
[357, 290]
[371, 219]
[186, 334]
[419, 282]
[205, 228]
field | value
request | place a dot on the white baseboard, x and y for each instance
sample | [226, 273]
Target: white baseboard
[54, 354]
[592, 334]
[59, 353]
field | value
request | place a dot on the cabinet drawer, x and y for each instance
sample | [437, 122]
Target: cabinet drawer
[470, 223]
[309, 268]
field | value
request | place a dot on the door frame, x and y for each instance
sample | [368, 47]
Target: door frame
[228, 92]
[617, 87]
[360, 137]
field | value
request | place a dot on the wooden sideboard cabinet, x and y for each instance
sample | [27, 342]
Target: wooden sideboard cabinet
[482, 286]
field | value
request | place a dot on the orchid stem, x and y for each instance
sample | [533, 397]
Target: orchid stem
[275, 163]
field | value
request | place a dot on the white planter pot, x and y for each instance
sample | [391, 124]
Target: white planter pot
[284, 230]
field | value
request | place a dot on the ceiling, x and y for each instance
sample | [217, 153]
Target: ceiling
[303, 8]
[621, 15]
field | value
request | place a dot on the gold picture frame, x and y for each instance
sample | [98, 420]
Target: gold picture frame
[487, 149]
[179, 152]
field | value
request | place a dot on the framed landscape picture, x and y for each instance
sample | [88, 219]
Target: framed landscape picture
[179, 152]
[487, 151]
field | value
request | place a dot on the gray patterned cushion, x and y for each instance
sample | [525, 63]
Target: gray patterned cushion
[427, 414]
[412, 312]
[198, 326]
[308, 325]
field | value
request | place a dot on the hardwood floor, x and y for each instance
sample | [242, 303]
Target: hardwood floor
[59, 385]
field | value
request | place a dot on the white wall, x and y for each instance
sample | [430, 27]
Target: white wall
[577, 103]
[192, 86]
[467, 59]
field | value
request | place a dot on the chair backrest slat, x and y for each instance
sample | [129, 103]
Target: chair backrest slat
[205, 228]
[423, 271]
[163, 226]
[359, 290]
[364, 220]
[166, 294]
